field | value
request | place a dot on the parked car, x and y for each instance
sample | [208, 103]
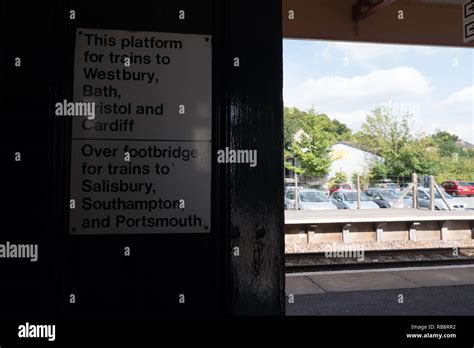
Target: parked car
[348, 200]
[403, 186]
[339, 187]
[458, 188]
[309, 199]
[424, 200]
[386, 198]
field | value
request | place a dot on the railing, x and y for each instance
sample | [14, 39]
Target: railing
[412, 187]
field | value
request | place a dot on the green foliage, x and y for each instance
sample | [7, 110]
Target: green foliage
[460, 169]
[339, 178]
[382, 133]
[390, 138]
[312, 148]
[446, 143]
[341, 130]
[308, 137]
[295, 119]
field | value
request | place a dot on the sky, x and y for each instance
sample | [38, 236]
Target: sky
[348, 80]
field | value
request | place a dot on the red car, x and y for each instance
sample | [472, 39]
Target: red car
[338, 187]
[458, 188]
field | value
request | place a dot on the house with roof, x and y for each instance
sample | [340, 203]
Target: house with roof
[347, 158]
[350, 159]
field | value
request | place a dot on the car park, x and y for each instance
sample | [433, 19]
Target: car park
[404, 185]
[309, 199]
[424, 200]
[348, 200]
[458, 188]
[386, 198]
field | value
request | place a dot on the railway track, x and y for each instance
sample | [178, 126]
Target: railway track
[377, 259]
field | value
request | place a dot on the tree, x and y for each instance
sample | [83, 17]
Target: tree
[383, 133]
[343, 132]
[308, 140]
[312, 149]
[446, 143]
[338, 178]
[389, 137]
[460, 169]
[295, 119]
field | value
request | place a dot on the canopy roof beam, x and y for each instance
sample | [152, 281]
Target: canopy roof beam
[364, 8]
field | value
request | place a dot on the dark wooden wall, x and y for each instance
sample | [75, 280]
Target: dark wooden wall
[247, 207]
[256, 123]
[24, 127]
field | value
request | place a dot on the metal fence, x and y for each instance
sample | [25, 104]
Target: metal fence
[407, 185]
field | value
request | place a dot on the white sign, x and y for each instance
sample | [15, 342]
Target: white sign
[468, 21]
[141, 163]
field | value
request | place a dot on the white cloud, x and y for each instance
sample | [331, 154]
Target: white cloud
[457, 113]
[366, 53]
[353, 119]
[378, 83]
[463, 98]
[342, 94]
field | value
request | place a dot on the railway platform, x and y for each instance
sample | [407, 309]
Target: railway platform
[297, 217]
[443, 290]
[350, 225]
